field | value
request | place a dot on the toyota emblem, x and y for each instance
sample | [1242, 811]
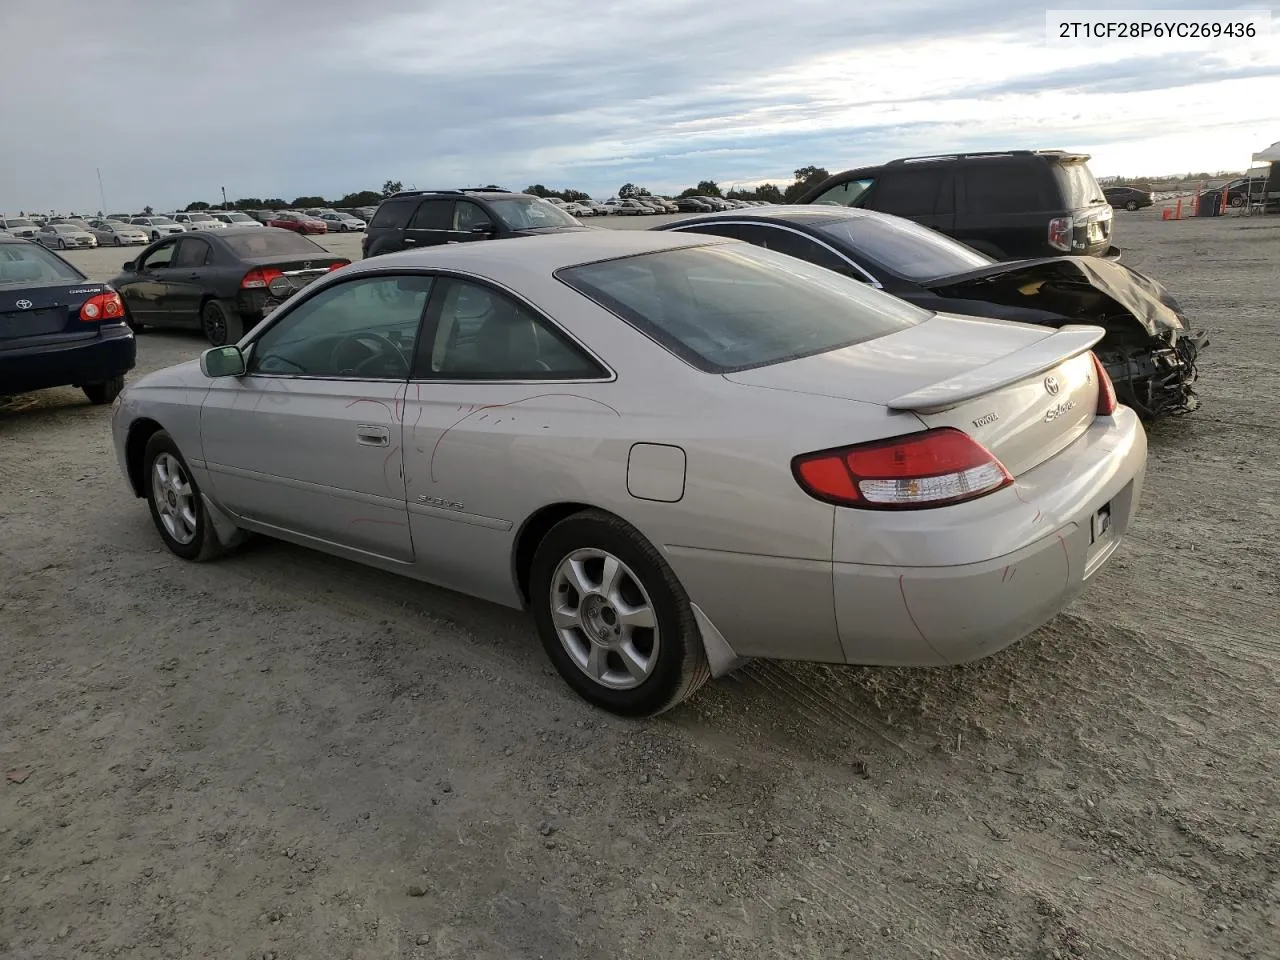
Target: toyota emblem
[1051, 386]
[24, 304]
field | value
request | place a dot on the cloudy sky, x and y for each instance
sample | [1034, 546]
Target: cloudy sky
[172, 100]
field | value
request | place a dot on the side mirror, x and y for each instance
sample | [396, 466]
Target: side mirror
[130, 266]
[225, 361]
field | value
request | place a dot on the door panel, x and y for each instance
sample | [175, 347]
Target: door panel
[145, 296]
[501, 408]
[316, 457]
[183, 287]
[430, 224]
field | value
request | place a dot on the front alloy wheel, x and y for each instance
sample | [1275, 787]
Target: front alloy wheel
[176, 505]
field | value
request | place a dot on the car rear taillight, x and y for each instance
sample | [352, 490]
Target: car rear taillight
[260, 278]
[1107, 401]
[1060, 233]
[339, 266]
[105, 306]
[928, 469]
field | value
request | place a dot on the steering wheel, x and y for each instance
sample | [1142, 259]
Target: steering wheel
[380, 347]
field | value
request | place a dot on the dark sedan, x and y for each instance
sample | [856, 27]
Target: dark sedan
[57, 327]
[1149, 350]
[1131, 198]
[221, 282]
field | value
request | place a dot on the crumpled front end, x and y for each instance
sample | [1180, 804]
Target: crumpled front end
[1150, 350]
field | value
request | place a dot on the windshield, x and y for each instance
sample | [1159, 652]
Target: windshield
[28, 264]
[19, 222]
[1078, 183]
[161, 220]
[273, 243]
[531, 213]
[66, 228]
[728, 307]
[240, 217]
[904, 247]
[201, 216]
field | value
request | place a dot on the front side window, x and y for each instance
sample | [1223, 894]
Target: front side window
[468, 216]
[363, 329]
[482, 334]
[159, 257]
[729, 307]
[531, 213]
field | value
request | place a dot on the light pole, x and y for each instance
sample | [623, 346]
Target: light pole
[224, 198]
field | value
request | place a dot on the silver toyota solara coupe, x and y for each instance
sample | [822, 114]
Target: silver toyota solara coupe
[678, 451]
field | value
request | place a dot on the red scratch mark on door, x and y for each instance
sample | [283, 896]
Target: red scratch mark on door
[381, 403]
[431, 463]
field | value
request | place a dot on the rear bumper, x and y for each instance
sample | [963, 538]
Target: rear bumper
[953, 601]
[87, 361]
[933, 587]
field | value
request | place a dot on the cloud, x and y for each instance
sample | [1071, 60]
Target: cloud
[173, 101]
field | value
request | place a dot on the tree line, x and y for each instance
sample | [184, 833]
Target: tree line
[805, 177]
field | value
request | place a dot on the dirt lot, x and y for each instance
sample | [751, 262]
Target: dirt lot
[288, 756]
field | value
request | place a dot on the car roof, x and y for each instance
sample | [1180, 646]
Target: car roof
[543, 254]
[801, 214]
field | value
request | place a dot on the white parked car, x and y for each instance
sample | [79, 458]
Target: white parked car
[198, 221]
[157, 227]
[234, 218]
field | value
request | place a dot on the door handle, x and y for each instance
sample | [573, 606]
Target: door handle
[371, 435]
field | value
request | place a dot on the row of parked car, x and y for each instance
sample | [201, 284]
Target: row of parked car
[647, 205]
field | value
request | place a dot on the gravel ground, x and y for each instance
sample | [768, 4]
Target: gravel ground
[285, 755]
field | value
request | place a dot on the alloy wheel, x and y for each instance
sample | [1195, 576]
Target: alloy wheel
[605, 619]
[174, 498]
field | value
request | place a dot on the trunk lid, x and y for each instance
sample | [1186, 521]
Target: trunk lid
[1024, 392]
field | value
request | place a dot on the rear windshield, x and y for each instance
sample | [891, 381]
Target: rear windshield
[733, 306]
[904, 247]
[273, 243]
[27, 263]
[1078, 184]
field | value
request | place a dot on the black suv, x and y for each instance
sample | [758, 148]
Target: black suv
[1011, 205]
[423, 218]
[1131, 198]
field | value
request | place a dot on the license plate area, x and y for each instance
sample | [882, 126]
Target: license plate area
[32, 323]
[1100, 524]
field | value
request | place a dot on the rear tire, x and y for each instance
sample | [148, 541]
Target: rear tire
[1237, 201]
[104, 392]
[627, 643]
[176, 506]
[1131, 205]
[220, 326]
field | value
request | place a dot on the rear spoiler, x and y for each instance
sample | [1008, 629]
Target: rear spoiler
[1063, 344]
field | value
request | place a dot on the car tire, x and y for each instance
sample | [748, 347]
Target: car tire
[1131, 205]
[104, 392]
[220, 326]
[586, 642]
[155, 235]
[119, 242]
[1237, 201]
[62, 244]
[183, 523]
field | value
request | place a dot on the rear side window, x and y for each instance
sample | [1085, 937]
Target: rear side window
[28, 263]
[1079, 185]
[728, 307]
[433, 215]
[847, 194]
[908, 192]
[393, 214]
[999, 187]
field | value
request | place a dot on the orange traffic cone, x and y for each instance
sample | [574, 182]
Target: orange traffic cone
[1166, 213]
[1177, 211]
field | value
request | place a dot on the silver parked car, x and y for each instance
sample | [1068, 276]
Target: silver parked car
[157, 227]
[20, 227]
[118, 234]
[65, 236]
[342, 222]
[677, 451]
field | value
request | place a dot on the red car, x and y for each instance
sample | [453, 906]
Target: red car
[298, 222]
